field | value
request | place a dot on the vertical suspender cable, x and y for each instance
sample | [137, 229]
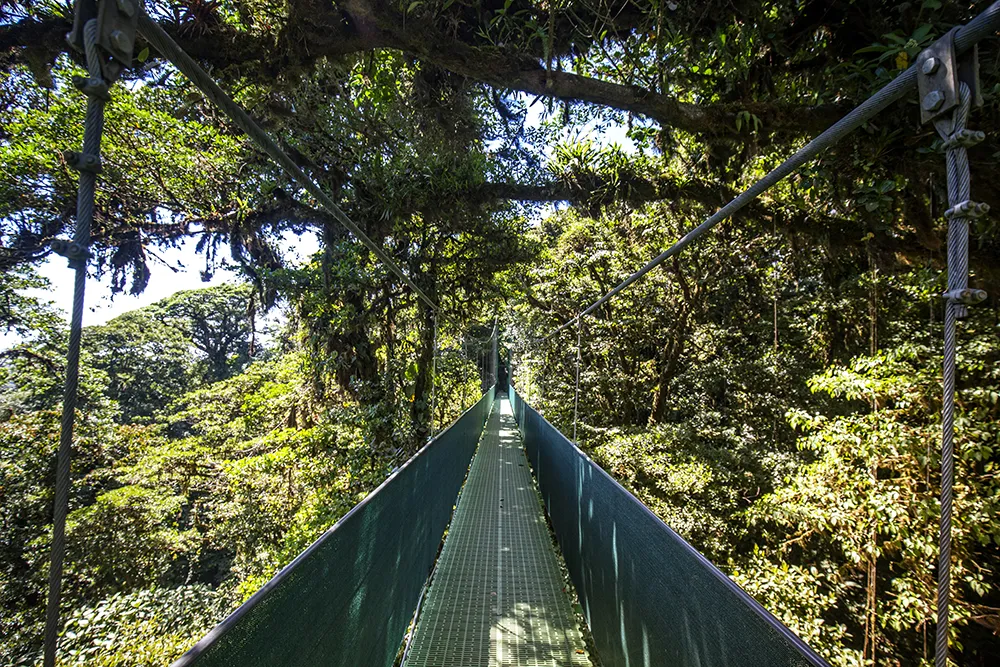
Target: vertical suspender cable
[576, 391]
[961, 208]
[78, 253]
[434, 373]
[495, 350]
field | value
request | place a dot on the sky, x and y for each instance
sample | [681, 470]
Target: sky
[172, 270]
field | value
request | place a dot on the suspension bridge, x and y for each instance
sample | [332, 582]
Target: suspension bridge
[514, 500]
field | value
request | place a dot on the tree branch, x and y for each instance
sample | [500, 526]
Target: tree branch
[318, 30]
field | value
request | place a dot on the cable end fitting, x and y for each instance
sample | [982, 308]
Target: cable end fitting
[71, 250]
[83, 161]
[92, 87]
[967, 209]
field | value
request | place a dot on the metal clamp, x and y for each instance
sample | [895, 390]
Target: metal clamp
[71, 250]
[83, 161]
[92, 87]
[967, 296]
[116, 31]
[963, 138]
[967, 209]
[938, 74]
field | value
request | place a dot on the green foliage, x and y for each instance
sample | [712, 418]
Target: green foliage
[218, 322]
[21, 314]
[156, 158]
[148, 363]
[130, 536]
[140, 628]
[871, 494]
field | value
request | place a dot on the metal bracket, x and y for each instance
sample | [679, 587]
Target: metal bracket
[966, 297]
[83, 161]
[71, 250]
[92, 87]
[967, 209]
[939, 72]
[117, 21]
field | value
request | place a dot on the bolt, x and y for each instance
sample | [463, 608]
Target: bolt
[966, 296]
[120, 41]
[933, 100]
[930, 65]
[126, 7]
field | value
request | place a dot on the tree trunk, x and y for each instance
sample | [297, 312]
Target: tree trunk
[668, 361]
[420, 409]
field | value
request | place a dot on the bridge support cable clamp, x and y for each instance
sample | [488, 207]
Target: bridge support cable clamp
[105, 32]
[949, 87]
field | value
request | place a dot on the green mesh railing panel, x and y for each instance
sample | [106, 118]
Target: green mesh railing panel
[648, 596]
[348, 599]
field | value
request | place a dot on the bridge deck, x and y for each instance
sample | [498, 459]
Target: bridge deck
[498, 598]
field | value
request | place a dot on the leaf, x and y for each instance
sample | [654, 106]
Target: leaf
[143, 55]
[921, 33]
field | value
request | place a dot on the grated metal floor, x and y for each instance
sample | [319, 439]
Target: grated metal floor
[497, 598]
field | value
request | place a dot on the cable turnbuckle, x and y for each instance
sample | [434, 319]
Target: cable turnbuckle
[83, 161]
[76, 254]
[967, 209]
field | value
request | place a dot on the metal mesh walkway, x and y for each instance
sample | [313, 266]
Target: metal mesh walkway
[498, 598]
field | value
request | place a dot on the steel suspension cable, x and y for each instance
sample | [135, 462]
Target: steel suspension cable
[960, 210]
[984, 25]
[169, 49]
[78, 252]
